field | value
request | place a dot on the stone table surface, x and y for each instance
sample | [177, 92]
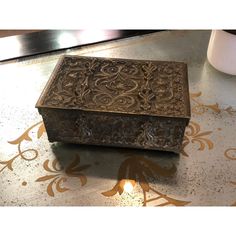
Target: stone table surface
[34, 172]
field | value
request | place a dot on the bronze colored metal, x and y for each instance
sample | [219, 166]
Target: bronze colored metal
[117, 102]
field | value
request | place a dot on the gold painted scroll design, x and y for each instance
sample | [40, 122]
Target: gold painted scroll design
[139, 170]
[199, 108]
[194, 135]
[21, 153]
[230, 153]
[59, 175]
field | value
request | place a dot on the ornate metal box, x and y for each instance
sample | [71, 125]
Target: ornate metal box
[117, 102]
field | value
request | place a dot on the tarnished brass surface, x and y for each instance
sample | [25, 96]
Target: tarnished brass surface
[117, 102]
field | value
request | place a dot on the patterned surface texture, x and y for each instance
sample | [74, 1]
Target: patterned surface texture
[155, 133]
[139, 87]
[36, 172]
[117, 85]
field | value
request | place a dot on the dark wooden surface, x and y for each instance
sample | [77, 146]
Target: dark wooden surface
[53, 40]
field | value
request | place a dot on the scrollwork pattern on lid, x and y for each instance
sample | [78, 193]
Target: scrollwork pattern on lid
[140, 87]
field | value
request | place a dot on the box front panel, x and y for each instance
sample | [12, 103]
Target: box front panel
[157, 133]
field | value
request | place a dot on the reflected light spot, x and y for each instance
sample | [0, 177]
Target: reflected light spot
[11, 46]
[66, 39]
[128, 187]
[88, 36]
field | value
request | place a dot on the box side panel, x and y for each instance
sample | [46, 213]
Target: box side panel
[155, 133]
[186, 95]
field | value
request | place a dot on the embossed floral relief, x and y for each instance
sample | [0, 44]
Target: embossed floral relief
[119, 85]
[138, 170]
[28, 154]
[194, 135]
[58, 175]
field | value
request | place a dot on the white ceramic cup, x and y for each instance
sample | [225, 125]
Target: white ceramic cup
[221, 51]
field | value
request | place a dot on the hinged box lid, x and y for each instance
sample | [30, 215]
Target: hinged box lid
[155, 88]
